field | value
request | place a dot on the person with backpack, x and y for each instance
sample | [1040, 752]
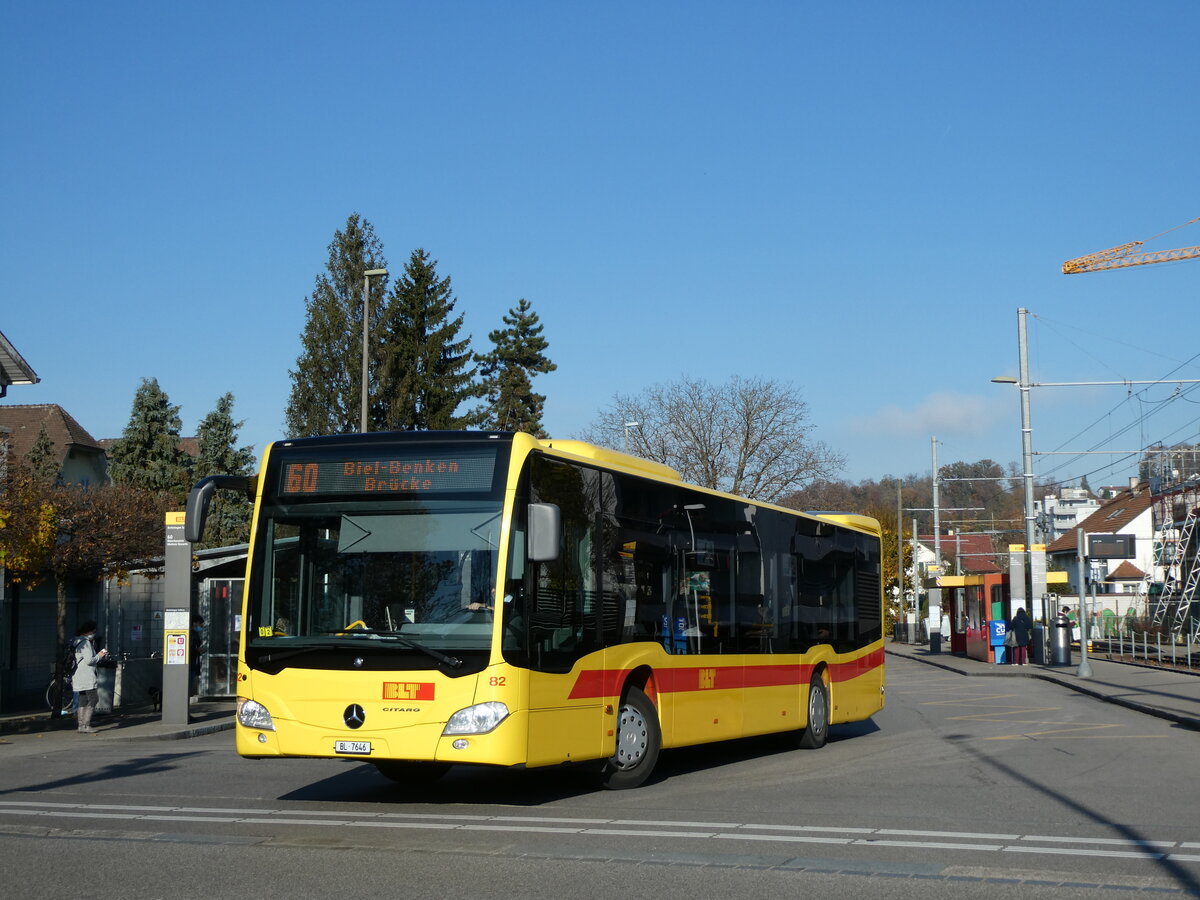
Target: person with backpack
[84, 678]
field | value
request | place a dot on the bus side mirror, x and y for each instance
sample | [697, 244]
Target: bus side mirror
[201, 496]
[545, 532]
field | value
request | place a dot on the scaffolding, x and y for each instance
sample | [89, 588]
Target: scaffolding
[1176, 608]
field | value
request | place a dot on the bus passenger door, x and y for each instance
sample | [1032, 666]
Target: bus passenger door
[566, 677]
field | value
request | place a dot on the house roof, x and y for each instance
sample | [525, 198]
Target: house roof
[13, 368]
[968, 544]
[24, 422]
[1126, 570]
[1110, 518]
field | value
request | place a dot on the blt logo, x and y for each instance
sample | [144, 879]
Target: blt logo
[407, 690]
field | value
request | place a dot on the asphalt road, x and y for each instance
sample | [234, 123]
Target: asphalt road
[962, 786]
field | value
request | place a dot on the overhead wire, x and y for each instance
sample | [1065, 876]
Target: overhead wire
[1140, 420]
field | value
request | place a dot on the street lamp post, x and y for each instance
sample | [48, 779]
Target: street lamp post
[1085, 667]
[629, 425]
[1026, 452]
[366, 333]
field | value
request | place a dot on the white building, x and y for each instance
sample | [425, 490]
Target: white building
[1057, 515]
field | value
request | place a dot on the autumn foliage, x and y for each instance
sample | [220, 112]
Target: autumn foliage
[70, 532]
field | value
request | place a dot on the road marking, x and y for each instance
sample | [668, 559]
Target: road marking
[676, 824]
[928, 845]
[810, 828]
[1075, 851]
[950, 834]
[975, 699]
[1016, 711]
[788, 838]
[962, 841]
[1064, 839]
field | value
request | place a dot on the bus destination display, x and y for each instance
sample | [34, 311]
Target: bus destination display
[389, 474]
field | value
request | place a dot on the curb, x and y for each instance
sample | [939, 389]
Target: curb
[177, 735]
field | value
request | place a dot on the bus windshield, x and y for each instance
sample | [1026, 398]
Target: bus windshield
[415, 572]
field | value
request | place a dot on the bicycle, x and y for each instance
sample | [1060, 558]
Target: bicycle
[66, 698]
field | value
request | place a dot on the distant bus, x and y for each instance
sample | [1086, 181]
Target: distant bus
[422, 600]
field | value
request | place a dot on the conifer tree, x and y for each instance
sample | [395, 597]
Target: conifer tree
[229, 513]
[427, 372]
[518, 354]
[147, 455]
[325, 396]
[41, 459]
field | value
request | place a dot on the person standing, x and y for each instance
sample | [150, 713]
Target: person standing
[1022, 627]
[84, 679]
[198, 646]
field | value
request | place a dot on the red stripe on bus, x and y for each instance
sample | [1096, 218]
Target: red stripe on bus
[845, 671]
[599, 683]
[594, 683]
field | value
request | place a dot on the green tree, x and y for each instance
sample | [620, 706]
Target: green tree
[229, 513]
[517, 355]
[43, 462]
[326, 382]
[427, 371]
[147, 455]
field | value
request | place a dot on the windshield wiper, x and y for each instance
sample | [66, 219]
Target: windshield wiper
[452, 661]
[285, 654]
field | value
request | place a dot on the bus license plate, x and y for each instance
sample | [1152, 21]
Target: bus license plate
[359, 748]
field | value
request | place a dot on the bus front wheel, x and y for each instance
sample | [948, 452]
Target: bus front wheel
[411, 773]
[638, 742]
[817, 729]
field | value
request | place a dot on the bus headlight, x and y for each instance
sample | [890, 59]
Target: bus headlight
[479, 719]
[252, 714]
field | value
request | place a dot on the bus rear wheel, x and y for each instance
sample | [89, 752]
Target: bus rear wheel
[411, 773]
[816, 731]
[638, 742]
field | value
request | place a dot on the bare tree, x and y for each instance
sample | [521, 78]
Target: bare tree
[749, 436]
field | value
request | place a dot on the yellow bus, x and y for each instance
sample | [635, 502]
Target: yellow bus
[426, 599]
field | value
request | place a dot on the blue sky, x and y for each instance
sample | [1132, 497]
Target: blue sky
[851, 198]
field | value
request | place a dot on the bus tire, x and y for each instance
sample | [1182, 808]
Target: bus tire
[411, 773]
[638, 741]
[816, 729]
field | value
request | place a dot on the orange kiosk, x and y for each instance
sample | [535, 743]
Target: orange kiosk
[972, 602]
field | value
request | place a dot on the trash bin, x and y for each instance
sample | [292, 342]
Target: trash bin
[1060, 641]
[105, 680]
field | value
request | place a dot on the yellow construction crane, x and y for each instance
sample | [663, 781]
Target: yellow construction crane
[1124, 255]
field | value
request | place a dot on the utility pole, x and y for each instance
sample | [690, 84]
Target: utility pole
[937, 522]
[1027, 457]
[900, 538]
[1085, 667]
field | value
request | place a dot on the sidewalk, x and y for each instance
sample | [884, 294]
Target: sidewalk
[26, 729]
[1166, 693]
